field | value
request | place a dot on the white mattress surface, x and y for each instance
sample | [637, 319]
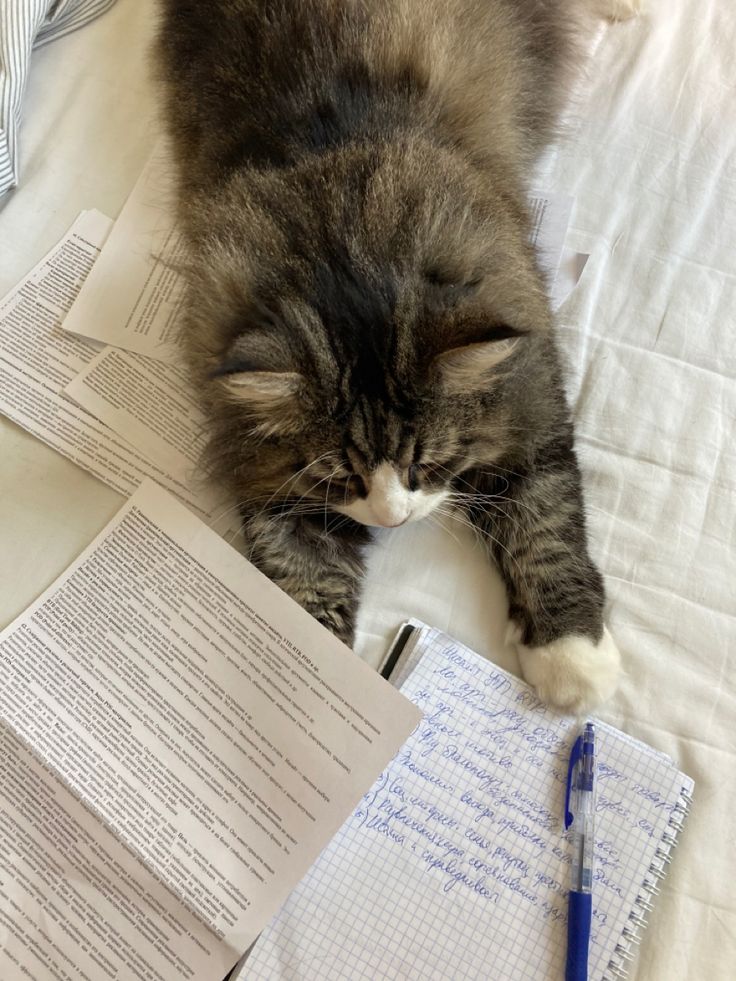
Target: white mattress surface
[650, 156]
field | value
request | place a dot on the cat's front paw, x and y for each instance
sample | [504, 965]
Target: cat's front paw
[334, 610]
[572, 673]
[338, 616]
[337, 624]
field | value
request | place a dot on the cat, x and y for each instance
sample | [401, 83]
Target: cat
[366, 323]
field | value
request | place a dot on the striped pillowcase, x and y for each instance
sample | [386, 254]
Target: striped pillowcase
[25, 24]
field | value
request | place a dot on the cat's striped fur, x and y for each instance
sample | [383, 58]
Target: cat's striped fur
[366, 323]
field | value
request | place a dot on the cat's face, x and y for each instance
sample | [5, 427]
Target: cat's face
[382, 439]
[363, 359]
[382, 435]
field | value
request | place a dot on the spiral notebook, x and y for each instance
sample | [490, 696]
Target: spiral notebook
[455, 863]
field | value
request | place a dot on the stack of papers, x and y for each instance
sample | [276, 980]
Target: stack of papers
[117, 415]
[178, 742]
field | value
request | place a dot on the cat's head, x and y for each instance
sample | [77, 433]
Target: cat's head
[363, 338]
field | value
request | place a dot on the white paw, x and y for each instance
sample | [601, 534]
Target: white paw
[623, 9]
[573, 674]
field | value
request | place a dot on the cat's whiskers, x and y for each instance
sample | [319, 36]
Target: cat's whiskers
[504, 511]
[267, 497]
[487, 473]
[434, 519]
[327, 495]
[285, 512]
[485, 533]
[493, 496]
[340, 524]
[269, 506]
[314, 486]
[239, 505]
[295, 476]
[291, 509]
[462, 479]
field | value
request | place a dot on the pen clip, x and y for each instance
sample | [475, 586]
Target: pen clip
[575, 754]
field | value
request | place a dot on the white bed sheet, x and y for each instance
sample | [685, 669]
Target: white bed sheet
[651, 159]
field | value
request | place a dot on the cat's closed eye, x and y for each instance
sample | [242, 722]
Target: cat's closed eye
[448, 289]
[357, 485]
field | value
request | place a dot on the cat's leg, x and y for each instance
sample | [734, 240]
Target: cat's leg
[533, 523]
[317, 561]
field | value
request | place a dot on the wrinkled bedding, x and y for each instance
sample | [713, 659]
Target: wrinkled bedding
[649, 154]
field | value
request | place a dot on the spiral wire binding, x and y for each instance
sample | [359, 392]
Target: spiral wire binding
[624, 953]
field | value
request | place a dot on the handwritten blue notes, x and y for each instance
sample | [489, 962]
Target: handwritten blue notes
[455, 865]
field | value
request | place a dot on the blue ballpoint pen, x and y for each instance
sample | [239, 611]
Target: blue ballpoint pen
[580, 813]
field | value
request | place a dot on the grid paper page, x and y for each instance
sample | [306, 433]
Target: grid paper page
[455, 865]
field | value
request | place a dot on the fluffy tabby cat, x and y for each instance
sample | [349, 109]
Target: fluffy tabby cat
[366, 323]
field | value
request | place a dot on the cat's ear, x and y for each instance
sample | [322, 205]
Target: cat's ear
[272, 398]
[257, 374]
[466, 368]
[264, 390]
